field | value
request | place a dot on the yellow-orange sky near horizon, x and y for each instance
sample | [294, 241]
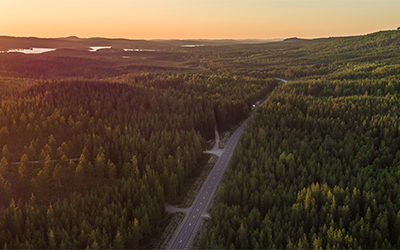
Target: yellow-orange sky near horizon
[185, 19]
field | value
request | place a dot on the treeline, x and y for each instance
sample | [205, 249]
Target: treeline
[90, 163]
[369, 56]
[335, 88]
[316, 168]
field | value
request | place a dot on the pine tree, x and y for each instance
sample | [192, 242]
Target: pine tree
[79, 177]
[52, 240]
[111, 170]
[118, 242]
[3, 136]
[5, 153]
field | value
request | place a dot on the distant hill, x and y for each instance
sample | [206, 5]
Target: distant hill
[9, 42]
[294, 39]
[72, 57]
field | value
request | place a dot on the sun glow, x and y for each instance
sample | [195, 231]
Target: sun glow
[196, 18]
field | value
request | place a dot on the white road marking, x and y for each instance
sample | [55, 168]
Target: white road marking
[223, 157]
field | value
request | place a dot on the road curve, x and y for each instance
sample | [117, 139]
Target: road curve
[280, 79]
[187, 230]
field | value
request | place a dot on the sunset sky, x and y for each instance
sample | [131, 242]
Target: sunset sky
[181, 19]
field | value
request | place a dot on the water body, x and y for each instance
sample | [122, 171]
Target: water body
[151, 50]
[96, 48]
[192, 45]
[30, 50]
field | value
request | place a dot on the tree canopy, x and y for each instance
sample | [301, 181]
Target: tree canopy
[317, 166]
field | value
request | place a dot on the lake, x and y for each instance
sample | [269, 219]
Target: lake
[96, 48]
[30, 50]
[192, 45]
[140, 50]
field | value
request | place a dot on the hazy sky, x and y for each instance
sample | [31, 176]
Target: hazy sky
[182, 19]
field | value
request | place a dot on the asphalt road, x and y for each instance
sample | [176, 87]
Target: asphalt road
[187, 230]
[283, 80]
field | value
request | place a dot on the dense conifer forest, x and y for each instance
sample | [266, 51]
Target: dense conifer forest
[318, 166]
[94, 144]
[91, 162]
